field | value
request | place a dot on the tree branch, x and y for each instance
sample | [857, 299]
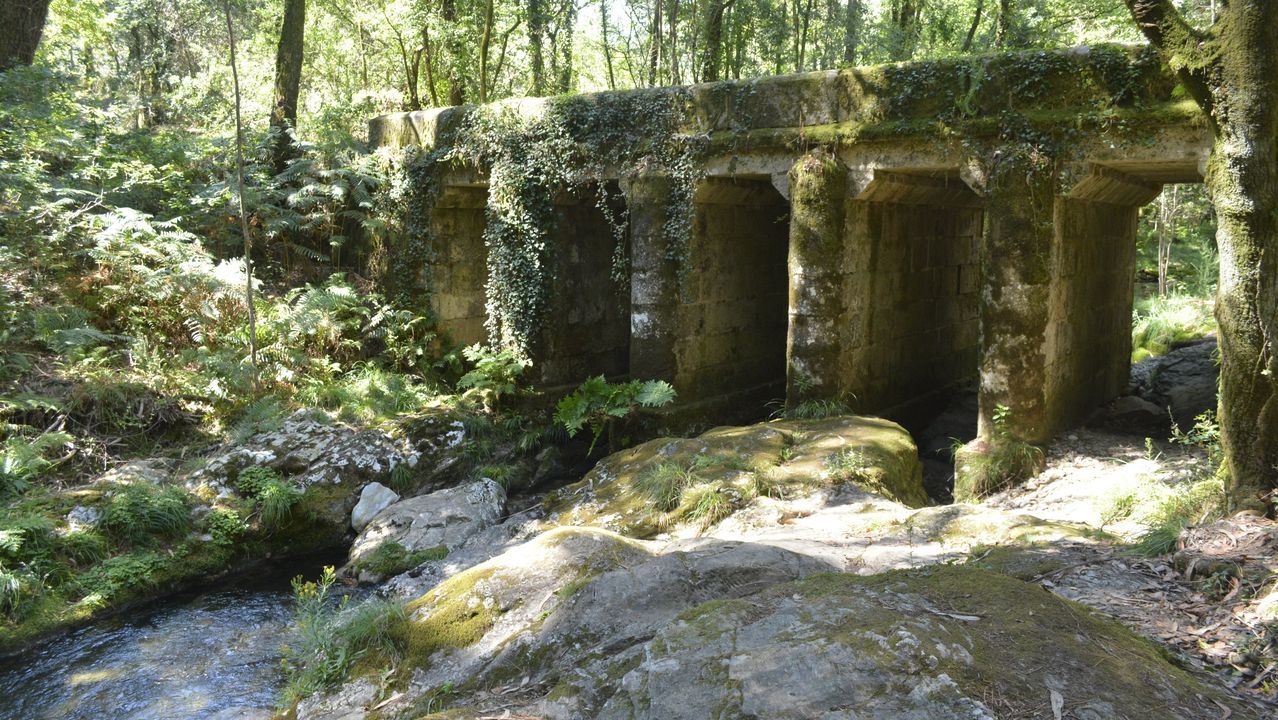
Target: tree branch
[1179, 43]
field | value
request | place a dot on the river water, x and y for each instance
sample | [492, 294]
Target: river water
[204, 655]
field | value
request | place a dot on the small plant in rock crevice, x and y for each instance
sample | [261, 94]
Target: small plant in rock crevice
[1003, 461]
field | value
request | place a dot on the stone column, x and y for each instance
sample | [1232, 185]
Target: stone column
[654, 279]
[818, 201]
[1016, 291]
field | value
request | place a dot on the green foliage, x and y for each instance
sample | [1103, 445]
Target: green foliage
[391, 558]
[846, 464]
[123, 575]
[141, 514]
[328, 636]
[1004, 461]
[24, 459]
[1161, 323]
[494, 374]
[598, 404]
[1198, 503]
[251, 481]
[274, 496]
[224, 526]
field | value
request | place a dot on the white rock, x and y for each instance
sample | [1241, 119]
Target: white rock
[374, 498]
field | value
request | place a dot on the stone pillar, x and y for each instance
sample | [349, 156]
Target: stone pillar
[654, 278]
[818, 201]
[1016, 292]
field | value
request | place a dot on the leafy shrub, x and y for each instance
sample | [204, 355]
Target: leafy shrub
[598, 404]
[123, 575]
[224, 526]
[139, 514]
[494, 374]
[251, 481]
[328, 636]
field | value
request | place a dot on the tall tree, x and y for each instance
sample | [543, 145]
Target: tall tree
[713, 51]
[1231, 70]
[537, 22]
[21, 25]
[288, 81]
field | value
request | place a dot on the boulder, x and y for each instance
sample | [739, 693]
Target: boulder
[686, 485]
[374, 498]
[1133, 415]
[1183, 381]
[443, 520]
[586, 623]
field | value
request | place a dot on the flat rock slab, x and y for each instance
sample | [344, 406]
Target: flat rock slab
[445, 518]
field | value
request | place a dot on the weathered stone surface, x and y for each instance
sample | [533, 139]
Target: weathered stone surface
[587, 624]
[445, 518]
[1182, 382]
[374, 498]
[740, 464]
[1133, 415]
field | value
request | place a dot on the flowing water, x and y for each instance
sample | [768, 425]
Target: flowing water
[213, 654]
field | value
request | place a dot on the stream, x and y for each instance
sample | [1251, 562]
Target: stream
[208, 654]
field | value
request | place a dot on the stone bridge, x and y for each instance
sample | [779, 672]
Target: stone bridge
[885, 235]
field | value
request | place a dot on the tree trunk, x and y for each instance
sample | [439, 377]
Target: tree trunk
[567, 24]
[607, 49]
[976, 23]
[536, 35]
[1004, 26]
[485, 40]
[456, 91]
[288, 82]
[714, 40]
[673, 53]
[852, 31]
[654, 43]
[21, 24]
[1232, 71]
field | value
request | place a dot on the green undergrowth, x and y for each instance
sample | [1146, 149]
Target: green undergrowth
[331, 638]
[1160, 324]
[391, 558]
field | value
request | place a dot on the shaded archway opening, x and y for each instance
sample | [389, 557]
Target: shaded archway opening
[587, 330]
[732, 317]
[920, 329]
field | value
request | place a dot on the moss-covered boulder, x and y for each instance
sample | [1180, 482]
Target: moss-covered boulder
[690, 484]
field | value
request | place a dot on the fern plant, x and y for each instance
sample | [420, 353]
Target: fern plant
[495, 374]
[599, 404]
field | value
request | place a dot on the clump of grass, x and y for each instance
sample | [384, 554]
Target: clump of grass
[664, 484]
[1161, 323]
[816, 410]
[274, 496]
[708, 503]
[1004, 462]
[1192, 505]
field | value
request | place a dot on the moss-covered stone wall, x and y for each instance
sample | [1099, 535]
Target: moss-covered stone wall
[949, 218]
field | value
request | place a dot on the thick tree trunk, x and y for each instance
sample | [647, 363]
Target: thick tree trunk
[288, 81]
[1232, 71]
[21, 24]
[1242, 178]
[714, 39]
